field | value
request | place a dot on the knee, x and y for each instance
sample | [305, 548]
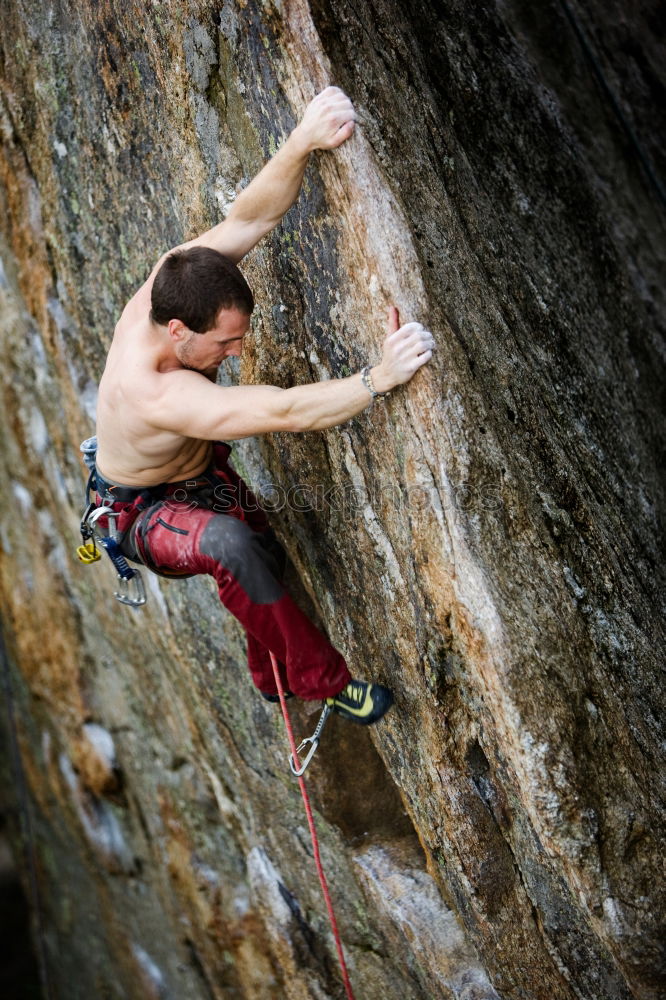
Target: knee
[227, 540]
[242, 552]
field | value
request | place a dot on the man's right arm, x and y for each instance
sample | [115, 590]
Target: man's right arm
[190, 405]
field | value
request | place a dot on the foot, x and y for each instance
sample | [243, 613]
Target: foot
[361, 702]
[275, 697]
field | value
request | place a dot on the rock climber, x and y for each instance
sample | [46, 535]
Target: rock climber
[161, 420]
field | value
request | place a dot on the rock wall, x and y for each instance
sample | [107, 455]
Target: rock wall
[485, 541]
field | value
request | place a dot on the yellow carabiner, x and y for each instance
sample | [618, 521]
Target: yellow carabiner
[88, 553]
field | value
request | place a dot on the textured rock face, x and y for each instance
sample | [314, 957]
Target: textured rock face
[486, 541]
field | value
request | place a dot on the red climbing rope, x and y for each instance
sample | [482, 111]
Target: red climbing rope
[313, 832]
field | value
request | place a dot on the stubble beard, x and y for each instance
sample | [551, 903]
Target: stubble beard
[184, 354]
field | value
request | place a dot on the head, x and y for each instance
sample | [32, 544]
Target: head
[206, 304]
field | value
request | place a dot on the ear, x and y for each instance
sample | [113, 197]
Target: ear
[177, 330]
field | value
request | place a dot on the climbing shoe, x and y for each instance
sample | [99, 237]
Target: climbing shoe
[275, 697]
[361, 702]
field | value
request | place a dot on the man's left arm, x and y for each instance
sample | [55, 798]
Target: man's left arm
[328, 121]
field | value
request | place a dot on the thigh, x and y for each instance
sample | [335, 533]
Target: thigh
[167, 538]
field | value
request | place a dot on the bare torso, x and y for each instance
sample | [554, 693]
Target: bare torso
[130, 450]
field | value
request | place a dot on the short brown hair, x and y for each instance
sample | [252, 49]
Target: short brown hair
[193, 285]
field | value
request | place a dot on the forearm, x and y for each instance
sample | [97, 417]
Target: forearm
[275, 188]
[319, 405]
[259, 208]
[327, 123]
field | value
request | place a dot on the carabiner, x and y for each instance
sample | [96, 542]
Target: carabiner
[131, 590]
[93, 517]
[314, 743]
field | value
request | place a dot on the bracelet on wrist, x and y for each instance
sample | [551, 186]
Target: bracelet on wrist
[366, 378]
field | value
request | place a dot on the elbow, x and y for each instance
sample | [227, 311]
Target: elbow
[297, 425]
[295, 418]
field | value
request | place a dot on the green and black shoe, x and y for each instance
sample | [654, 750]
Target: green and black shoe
[361, 702]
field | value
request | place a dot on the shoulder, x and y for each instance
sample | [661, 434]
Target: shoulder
[179, 390]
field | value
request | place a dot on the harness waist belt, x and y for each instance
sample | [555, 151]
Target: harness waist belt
[118, 493]
[126, 494]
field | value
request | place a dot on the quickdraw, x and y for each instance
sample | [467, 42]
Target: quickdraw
[131, 590]
[130, 586]
[312, 741]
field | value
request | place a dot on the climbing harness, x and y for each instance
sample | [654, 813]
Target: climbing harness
[298, 770]
[313, 741]
[130, 587]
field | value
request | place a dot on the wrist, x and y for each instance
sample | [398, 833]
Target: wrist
[369, 383]
[381, 380]
[299, 143]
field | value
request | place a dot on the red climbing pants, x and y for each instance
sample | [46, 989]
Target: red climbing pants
[214, 525]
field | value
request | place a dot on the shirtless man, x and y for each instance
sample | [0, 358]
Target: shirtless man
[161, 420]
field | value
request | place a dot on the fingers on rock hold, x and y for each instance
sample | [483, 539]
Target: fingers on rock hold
[393, 320]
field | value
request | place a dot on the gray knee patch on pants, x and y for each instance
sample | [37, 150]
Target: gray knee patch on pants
[245, 554]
